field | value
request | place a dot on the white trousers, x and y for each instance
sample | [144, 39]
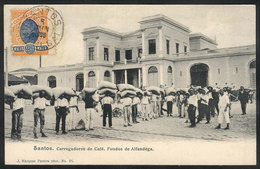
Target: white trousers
[89, 113]
[72, 119]
[223, 115]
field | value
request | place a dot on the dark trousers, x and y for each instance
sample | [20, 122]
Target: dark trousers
[201, 112]
[134, 113]
[17, 123]
[212, 107]
[243, 107]
[216, 106]
[191, 113]
[61, 113]
[162, 107]
[169, 108]
[206, 111]
[107, 110]
[38, 113]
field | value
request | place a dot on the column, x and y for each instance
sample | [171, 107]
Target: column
[85, 51]
[97, 57]
[113, 77]
[97, 77]
[125, 76]
[160, 42]
[143, 44]
[144, 72]
[161, 75]
[139, 77]
[85, 78]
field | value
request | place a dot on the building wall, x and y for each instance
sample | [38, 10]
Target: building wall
[175, 36]
[221, 70]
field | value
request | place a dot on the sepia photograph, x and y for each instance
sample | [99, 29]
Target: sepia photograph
[130, 84]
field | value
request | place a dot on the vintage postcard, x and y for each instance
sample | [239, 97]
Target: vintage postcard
[130, 84]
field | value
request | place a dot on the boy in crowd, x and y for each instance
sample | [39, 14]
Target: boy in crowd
[39, 111]
[223, 109]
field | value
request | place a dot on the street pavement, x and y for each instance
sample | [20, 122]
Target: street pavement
[163, 129]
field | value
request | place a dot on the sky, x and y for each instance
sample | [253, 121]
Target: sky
[232, 25]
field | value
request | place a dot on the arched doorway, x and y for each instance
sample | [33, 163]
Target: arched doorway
[252, 70]
[79, 82]
[52, 81]
[199, 74]
[169, 77]
[91, 79]
[107, 76]
[153, 76]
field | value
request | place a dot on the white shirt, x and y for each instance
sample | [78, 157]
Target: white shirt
[145, 100]
[193, 100]
[74, 101]
[126, 101]
[107, 100]
[205, 99]
[18, 103]
[223, 101]
[154, 98]
[40, 103]
[136, 100]
[62, 103]
[169, 98]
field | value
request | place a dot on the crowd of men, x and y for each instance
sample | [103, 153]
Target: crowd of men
[193, 105]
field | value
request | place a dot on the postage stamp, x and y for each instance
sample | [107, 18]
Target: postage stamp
[35, 31]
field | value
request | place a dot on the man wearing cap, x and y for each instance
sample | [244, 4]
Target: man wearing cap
[39, 109]
[193, 104]
[243, 98]
[223, 109]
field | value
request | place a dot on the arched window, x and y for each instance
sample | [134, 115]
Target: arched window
[170, 78]
[107, 76]
[199, 74]
[79, 82]
[152, 69]
[91, 79]
[91, 74]
[153, 76]
[52, 81]
[252, 70]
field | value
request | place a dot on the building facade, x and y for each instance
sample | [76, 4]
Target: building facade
[161, 52]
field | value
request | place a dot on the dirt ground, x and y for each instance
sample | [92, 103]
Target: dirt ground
[243, 127]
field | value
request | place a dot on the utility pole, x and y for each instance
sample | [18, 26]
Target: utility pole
[40, 61]
[6, 68]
